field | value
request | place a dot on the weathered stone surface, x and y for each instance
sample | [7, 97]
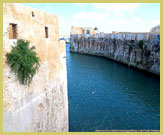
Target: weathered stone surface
[43, 106]
[123, 47]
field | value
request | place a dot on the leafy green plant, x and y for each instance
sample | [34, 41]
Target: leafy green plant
[95, 28]
[131, 44]
[23, 61]
[131, 47]
[145, 47]
[141, 44]
[114, 41]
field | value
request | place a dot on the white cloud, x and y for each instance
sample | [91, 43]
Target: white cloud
[116, 6]
[105, 21]
[122, 21]
[49, 7]
[90, 19]
[90, 16]
[136, 19]
[120, 14]
[155, 22]
[116, 9]
[64, 25]
[81, 4]
[119, 21]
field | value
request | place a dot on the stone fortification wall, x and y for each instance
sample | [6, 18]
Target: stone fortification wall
[122, 47]
[43, 106]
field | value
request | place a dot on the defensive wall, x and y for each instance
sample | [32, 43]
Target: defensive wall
[42, 106]
[139, 50]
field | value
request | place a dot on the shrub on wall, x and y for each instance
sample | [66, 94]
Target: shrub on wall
[95, 28]
[114, 41]
[131, 44]
[141, 44]
[23, 61]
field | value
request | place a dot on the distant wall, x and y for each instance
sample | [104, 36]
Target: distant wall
[44, 105]
[122, 47]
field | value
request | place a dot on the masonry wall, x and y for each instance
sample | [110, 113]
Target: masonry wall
[122, 47]
[43, 106]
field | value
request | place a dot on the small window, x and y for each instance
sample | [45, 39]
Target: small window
[33, 15]
[46, 32]
[12, 31]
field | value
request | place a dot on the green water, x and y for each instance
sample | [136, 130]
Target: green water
[106, 95]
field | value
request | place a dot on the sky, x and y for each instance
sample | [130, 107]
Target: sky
[107, 17]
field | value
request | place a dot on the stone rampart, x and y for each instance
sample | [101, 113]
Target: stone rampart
[140, 50]
[43, 106]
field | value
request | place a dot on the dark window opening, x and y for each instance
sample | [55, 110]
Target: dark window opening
[46, 32]
[12, 31]
[33, 15]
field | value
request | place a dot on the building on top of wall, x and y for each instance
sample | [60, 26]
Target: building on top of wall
[85, 30]
[77, 30]
[90, 30]
[155, 29]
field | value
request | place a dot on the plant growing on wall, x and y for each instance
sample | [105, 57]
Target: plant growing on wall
[131, 44]
[23, 61]
[141, 44]
[114, 41]
[95, 28]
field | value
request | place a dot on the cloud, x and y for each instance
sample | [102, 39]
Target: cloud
[117, 9]
[89, 16]
[121, 21]
[81, 4]
[116, 6]
[120, 14]
[49, 7]
[90, 19]
[64, 25]
[136, 19]
[104, 21]
[155, 22]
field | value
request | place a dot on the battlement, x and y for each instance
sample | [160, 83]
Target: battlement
[121, 36]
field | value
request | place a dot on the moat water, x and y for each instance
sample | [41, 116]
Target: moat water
[105, 95]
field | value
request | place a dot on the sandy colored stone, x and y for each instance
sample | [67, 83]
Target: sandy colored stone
[43, 106]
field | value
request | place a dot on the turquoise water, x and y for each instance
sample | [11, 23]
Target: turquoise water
[106, 95]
